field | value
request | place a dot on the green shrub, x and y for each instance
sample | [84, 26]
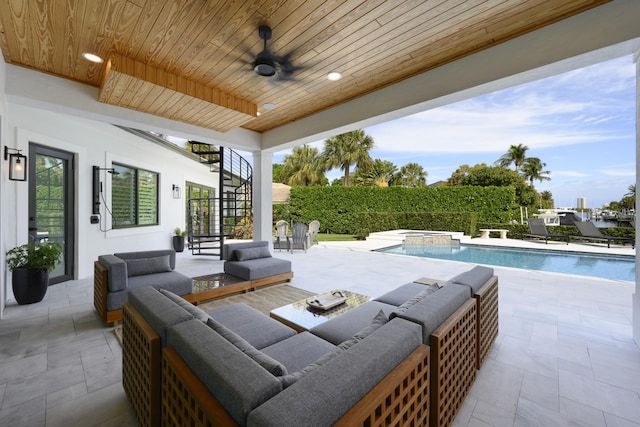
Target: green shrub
[337, 208]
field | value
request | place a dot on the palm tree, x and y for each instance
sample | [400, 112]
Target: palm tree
[348, 149]
[304, 166]
[631, 193]
[516, 155]
[379, 173]
[412, 175]
[546, 200]
[532, 170]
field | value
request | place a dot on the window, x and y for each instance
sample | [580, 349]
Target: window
[134, 197]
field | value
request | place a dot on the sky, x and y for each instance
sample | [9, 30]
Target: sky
[580, 123]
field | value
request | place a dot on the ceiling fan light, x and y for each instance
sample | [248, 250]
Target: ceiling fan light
[264, 67]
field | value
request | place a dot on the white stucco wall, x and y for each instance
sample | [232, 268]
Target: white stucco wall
[94, 143]
[636, 295]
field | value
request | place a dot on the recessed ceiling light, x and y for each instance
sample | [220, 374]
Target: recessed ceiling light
[91, 57]
[269, 106]
[334, 75]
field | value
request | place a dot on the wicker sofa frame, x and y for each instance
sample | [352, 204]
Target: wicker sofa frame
[455, 349]
[401, 398]
[451, 362]
[487, 308]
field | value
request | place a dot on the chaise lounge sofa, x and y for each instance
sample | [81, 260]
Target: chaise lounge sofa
[252, 261]
[115, 275]
[385, 369]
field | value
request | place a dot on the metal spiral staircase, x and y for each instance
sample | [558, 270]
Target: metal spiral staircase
[211, 220]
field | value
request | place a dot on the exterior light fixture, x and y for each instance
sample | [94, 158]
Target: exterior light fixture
[334, 75]
[176, 191]
[92, 57]
[17, 164]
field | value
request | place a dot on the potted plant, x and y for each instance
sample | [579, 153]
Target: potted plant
[178, 239]
[30, 265]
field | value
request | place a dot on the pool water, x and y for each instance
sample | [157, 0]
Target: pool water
[616, 267]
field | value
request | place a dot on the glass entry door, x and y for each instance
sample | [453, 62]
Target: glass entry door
[51, 202]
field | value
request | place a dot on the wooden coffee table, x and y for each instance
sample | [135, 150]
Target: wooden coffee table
[301, 317]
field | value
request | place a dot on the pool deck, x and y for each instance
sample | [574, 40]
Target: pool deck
[395, 237]
[564, 355]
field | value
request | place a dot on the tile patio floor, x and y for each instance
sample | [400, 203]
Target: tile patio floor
[564, 356]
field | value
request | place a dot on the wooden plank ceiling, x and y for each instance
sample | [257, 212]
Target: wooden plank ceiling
[190, 60]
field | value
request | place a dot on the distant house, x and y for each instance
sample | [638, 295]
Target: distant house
[280, 193]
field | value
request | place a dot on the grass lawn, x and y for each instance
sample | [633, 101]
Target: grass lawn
[322, 237]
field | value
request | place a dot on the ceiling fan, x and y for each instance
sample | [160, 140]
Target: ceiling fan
[266, 64]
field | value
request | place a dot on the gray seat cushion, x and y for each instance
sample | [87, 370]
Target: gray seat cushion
[345, 326]
[299, 350]
[474, 278]
[257, 268]
[173, 281]
[326, 393]
[255, 327]
[401, 294]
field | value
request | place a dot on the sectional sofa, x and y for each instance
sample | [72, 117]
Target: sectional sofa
[407, 357]
[115, 275]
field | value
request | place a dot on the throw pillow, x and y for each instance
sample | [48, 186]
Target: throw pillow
[413, 301]
[142, 266]
[273, 366]
[379, 320]
[247, 254]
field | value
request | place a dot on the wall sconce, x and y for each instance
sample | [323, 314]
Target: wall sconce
[176, 191]
[17, 164]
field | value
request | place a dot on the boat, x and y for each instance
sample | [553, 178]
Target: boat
[559, 216]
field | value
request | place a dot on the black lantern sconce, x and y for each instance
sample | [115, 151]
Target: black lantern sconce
[17, 164]
[176, 191]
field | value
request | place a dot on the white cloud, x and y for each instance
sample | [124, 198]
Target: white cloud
[569, 173]
[619, 172]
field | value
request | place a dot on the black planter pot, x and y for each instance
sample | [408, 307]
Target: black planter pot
[178, 243]
[29, 284]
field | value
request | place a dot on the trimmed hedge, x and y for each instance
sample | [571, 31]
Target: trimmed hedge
[370, 222]
[337, 208]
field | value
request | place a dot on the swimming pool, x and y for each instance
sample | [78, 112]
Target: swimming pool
[616, 267]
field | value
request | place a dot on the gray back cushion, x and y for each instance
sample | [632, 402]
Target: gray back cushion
[474, 278]
[150, 254]
[236, 381]
[143, 266]
[116, 272]
[229, 249]
[271, 365]
[159, 311]
[432, 311]
[402, 293]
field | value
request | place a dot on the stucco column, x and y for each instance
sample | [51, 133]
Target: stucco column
[262, 214]
[636, 295]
